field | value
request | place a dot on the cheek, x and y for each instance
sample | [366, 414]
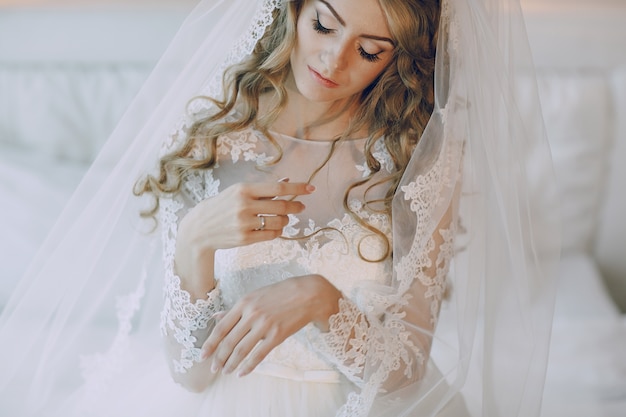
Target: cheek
[368, 75]
[308, 45]
[304, 33]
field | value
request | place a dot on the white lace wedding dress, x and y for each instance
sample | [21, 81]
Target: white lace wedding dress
[311, 373]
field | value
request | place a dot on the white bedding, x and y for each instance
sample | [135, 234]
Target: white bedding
[33, 191]
[587, 366]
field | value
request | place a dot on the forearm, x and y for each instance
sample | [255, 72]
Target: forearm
[196, 273]
[193, 262]
[186, 325]
[198, 376]
[191, 302]
[359, 345]
[326, 301]
[264, 318]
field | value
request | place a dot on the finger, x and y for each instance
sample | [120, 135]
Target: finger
[277, 189]
[243, 348]
[269, 222]
[259, 352]
[284, 179]
[218, 316]
[256, 236]
[223, 327]
[228, 345]
[282, 207]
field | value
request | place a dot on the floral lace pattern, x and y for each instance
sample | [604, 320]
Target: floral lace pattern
[180, 317]
[183, 318]
[381, 154]
[99, 369]
[448, 20]
[241, 145]
[369, 335]
[358, 341]
[244, 46]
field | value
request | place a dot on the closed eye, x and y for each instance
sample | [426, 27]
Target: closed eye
[317, 26]
[367, 56]
[321, 29]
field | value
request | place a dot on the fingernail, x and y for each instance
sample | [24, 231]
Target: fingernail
[284, 179]
[214, 368]
[310, 188]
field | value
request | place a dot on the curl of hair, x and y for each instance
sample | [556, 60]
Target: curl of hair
[400, 102]
[396, 106]
[264, 70]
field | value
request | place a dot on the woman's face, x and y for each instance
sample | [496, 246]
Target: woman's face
[341, 47]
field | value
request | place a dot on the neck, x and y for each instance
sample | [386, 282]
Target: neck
[306, 119]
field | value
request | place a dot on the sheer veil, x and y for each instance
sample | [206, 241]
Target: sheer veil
[89, 303]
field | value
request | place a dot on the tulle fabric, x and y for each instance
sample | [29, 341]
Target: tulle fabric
[88, 307]
[146, 389]
[98, 275]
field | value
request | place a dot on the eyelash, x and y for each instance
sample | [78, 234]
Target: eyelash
[317, 26]
[368, 57]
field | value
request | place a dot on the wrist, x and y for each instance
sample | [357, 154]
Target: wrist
[194, 265]
[326, 298]
[192, 280]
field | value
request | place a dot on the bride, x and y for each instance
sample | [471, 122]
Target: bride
[353, 174]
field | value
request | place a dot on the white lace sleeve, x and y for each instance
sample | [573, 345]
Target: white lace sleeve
[184, 325]
[399, 340]
[382, 335]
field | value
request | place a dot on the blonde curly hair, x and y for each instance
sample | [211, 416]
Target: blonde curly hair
[395, 107]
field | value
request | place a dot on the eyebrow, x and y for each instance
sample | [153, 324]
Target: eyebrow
[343, 23]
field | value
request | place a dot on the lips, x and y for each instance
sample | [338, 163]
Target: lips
[321, 80]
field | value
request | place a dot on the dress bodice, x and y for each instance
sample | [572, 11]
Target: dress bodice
[324, 239]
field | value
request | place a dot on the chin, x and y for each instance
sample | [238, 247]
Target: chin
[317, 94]
[313, 92]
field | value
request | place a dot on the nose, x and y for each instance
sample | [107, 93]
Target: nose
[335, 57]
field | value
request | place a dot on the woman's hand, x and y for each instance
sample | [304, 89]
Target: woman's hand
[234, 217]
[264, 318]
[240, 215]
